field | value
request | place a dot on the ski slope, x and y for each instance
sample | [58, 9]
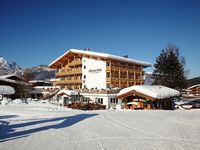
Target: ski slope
[40, 128]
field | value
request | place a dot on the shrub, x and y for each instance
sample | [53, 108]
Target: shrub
[86, 106]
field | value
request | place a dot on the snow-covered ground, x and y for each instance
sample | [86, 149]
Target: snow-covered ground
[40, 126]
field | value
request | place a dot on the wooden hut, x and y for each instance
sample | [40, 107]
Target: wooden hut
[17, 82]
[148, 97]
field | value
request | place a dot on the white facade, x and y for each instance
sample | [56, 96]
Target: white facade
[93, 73]
[109, 100]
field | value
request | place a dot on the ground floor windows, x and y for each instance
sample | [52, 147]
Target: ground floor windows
[113, 100]
[86, 99]
[99, 100]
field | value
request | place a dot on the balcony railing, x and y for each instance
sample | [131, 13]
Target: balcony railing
[69, 71]
[67, 81]
[75, 62]
[108, 68]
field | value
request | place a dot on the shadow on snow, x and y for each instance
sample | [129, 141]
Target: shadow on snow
[7, 132]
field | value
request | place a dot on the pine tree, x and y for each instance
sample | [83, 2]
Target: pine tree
[169, 69]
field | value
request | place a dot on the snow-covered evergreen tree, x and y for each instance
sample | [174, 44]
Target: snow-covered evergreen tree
[169, 69]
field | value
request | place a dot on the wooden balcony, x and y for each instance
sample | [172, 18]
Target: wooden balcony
[115, 79]
[108, 79]
[76, 71]
[131, 70]
[131, 80]
[116, 68]
[69, 72]
[72, 81]
[75, 62]
[60, 82]
[63, 73]
[108, 68]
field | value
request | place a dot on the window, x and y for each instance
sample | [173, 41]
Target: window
[100, 100]
[84, 67]
[108, 74]
[108, 64]
[84, 76]
[86, 99]
[113, 100]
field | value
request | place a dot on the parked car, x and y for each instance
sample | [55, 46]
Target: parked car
[188, 105]
[196, 103]
[192, 104]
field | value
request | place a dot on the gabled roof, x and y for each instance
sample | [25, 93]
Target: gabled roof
[5, 78]
[197, 85]
[103, 55]
[15, 74]
[152, 92]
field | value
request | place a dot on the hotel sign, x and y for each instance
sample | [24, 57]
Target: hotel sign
[95, 70]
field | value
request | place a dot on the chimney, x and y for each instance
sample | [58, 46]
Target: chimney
[87, 49]
[125, 56]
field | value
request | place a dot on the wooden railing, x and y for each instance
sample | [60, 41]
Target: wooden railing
[75, 62]
[66, 81]
[69, 71]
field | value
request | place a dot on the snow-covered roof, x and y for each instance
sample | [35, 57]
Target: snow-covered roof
[4, 89]
[52, 80]
[104, 55]
[13, 81]
[11, 75]
[40, 81]
[45, 87]
[68, 92]
[197, 85]
[156, 91]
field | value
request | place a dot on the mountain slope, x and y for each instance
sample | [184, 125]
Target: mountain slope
[41, 72]
[8, 68]
[193, 81]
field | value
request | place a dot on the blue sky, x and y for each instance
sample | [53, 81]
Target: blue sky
[34, 32]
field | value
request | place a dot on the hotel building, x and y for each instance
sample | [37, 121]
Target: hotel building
[85, 69]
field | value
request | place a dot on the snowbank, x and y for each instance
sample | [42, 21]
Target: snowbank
[5, 101]
[17, 102]
[33, 104]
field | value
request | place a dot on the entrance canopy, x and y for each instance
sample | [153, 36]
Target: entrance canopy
[6, 90]
[148, 92]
